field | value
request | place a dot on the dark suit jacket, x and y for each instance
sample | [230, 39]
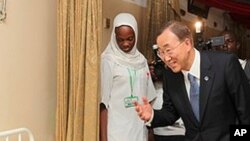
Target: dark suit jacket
[224, 98]
[247, 70]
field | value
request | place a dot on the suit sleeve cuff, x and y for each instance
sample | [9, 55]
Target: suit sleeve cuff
[148, 123]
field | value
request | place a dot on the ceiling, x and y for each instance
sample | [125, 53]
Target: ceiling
[242, 1]
[239, 10]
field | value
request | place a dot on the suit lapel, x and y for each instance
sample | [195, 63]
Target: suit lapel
[181, 96]
[206, 82]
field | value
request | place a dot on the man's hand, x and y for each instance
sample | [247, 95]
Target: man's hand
[144, 110]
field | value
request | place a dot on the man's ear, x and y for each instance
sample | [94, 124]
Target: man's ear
[188, 42]
[237, 45]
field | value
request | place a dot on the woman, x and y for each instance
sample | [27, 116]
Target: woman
[125, 78]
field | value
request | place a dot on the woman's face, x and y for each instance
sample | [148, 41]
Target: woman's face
[125, 38]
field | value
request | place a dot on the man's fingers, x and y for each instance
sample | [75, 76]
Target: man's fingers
[137, 106]
[135, 103]
[141, 108]
[145, 100]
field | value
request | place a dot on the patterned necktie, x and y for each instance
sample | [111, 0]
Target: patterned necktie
[194, 95]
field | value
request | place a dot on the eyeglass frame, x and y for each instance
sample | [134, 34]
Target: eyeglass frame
[168, 51]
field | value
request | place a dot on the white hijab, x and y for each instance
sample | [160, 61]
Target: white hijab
[133, 58]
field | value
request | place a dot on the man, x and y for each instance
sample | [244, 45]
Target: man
[213, 97]
[232, 45]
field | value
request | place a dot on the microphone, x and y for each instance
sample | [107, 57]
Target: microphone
[158, 63]
[155, 46]
[155, 49]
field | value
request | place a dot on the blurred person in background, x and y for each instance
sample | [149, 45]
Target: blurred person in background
[232, 45]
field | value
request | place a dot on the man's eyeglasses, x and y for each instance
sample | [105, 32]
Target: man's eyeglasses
[167, 51]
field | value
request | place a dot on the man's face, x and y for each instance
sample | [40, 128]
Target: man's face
[173, 52]
[230, 44]
[125, 38]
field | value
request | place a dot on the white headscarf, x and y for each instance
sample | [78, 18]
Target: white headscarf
[133, 58]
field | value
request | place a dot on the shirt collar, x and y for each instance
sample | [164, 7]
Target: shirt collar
[243, 63]
[195, 67]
